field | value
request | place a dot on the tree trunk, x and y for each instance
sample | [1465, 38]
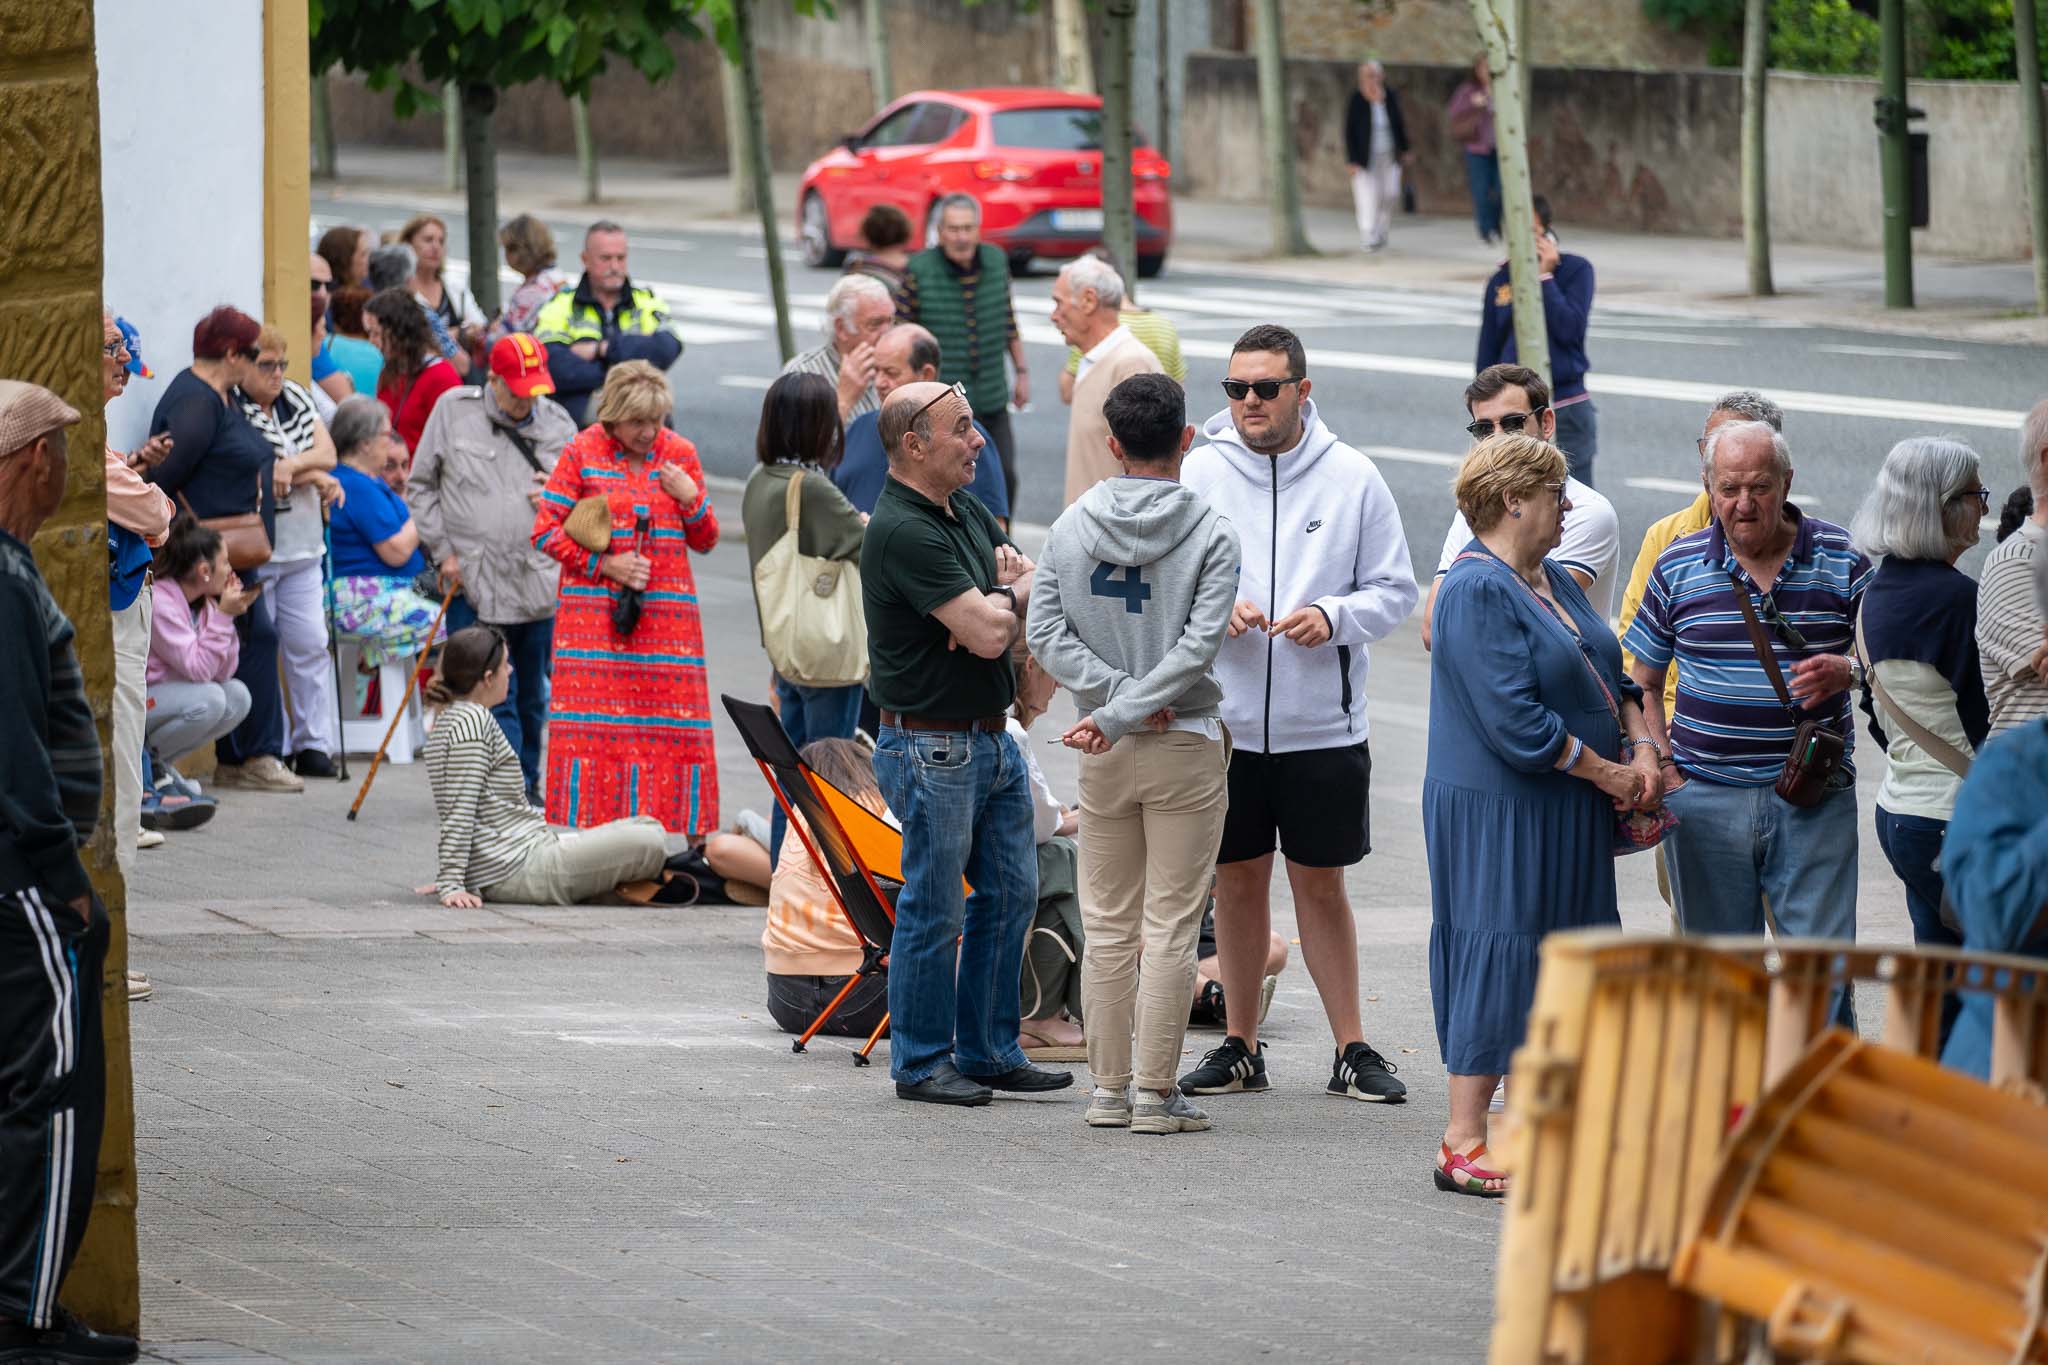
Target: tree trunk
[1119, 216]
[876, 21]
[757, 164]
[323, 131]
[739, 139]
[1895, 158]
[586, 146]
[1283, 194]
[1511, 138]
[451, 136]
[2026, 42]
[1165, 136]
[1756, 211]
[1073, 69]
[480, 158]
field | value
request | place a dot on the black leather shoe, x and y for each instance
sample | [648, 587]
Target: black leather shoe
[1026, 1078]
[312, 763]
[65, 1341]
[944, 1086]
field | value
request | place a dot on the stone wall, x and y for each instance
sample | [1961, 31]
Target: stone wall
[1613, 33]
[1655, 151]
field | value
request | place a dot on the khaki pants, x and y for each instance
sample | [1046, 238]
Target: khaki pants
[130, 705]
[1151, 817]
[580, 863]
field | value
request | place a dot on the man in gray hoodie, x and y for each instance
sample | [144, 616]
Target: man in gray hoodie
[1132, 600]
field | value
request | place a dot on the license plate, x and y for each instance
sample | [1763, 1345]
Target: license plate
[1077, 220]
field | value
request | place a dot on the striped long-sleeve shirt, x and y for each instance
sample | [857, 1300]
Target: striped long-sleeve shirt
[50, 779]
[2009, 630]
[487, 829]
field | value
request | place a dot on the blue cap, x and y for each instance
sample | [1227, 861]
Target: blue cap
[132, 339]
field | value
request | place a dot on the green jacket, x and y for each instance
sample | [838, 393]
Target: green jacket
[971, 315]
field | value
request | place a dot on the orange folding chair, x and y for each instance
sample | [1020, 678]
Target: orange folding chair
[859, 853]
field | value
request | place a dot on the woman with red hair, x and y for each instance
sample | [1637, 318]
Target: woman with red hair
[220, 465]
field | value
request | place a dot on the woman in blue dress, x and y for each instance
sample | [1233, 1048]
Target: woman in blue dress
[1536, 741]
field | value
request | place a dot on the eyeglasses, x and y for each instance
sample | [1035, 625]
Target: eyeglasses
[115, 350]
[1775, 619]
[1266, 389]
[1558, 489]
[1510, 423]
[958, 390]
[322, 286]
[1983, 493]
[271, 366]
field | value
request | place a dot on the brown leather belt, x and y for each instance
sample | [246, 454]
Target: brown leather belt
[989, 724]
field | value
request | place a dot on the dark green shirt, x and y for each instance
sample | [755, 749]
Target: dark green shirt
[917, 559]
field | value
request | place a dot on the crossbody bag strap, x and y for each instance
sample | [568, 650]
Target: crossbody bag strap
[523, 445]
[1950, 757]
[1761, 643]
[793, 502]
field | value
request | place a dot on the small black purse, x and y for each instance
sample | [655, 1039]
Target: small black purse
[627, 602]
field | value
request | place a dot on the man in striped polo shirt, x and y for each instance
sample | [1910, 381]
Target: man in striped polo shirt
[1738, 842]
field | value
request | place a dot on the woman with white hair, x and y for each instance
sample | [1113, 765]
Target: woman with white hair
[1923, 688]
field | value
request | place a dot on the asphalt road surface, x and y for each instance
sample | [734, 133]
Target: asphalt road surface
[1388, 369]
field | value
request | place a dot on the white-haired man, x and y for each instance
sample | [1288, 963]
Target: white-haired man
[1086, 299]
[2012, 637]
[857, 311]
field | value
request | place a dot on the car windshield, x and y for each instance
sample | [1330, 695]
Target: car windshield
[1051, 130]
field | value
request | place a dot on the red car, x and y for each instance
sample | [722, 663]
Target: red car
[1033, 158]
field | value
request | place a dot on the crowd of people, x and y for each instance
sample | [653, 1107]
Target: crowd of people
[508, 496]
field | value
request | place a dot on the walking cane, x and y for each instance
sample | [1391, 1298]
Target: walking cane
[333, 645]
[399, 714]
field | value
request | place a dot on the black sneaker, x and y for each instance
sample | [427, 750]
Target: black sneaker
[312, 763]
[1228, 1069]
[1362, 1074]
[64, 1341]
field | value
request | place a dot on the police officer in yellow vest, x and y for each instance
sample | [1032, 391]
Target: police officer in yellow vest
[603, 321]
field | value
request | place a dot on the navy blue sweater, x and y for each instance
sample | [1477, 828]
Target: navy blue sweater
[1567, 305]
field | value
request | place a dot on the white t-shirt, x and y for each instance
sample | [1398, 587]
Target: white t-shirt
[1046, 812]
[1591, 544]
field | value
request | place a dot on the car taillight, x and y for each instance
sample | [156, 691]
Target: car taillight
[1001, 170]
[1152, 170]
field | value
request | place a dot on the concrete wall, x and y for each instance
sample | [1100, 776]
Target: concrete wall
[181, 94]
[813, 70]
[1654, 151]
[1440, 32]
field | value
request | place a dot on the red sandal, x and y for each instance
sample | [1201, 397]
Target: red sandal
[1460, 1173]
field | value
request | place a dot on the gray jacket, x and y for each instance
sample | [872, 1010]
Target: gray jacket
[469, 493]
[1132, 598]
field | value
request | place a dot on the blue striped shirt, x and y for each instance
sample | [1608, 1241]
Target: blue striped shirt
[1729, 725]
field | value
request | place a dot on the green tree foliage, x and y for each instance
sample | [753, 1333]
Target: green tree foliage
[1946, 39]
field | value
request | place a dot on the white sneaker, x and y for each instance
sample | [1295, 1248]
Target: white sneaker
[1109, 1109]
[148, 838]
[1173, 1114]
[139, 988]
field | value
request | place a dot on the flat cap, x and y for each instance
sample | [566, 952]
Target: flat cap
[28, 411]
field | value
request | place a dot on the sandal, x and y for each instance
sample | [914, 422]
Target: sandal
[1460, 1173]
[1042, 1049]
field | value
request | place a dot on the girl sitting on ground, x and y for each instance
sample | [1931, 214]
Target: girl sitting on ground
[493, 845]
[1051, 1003]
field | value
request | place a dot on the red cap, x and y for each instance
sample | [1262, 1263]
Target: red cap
[522, 363]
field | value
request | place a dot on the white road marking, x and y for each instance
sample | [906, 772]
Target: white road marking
[744, 381]
[1662, 338]
[1407, 455]
[1892, 352]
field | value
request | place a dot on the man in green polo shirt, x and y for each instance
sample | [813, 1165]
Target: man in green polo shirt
[944, 592]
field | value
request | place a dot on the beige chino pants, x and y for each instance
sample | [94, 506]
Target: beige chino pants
[581, 863]
[1151, 818]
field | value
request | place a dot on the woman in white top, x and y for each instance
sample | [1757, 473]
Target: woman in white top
[1918, 639]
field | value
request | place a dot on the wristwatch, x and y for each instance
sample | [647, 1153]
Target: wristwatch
[1858, 674]
[1007, 591]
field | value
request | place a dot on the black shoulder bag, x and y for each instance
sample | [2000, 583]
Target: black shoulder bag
[1817, 748]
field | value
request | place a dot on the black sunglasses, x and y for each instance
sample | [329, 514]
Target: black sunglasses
[1512, 423]
[1266, 389]
[958, 388]
[321, 286]
[1775, 619]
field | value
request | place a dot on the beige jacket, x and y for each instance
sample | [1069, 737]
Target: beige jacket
[469, 492]
[1088, 459]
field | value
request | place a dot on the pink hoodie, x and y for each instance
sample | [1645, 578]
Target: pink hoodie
[183, 648]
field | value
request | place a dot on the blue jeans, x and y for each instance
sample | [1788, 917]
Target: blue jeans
[1578, 436]
[261, 732]
[965, 803]
[523, 714]
[810, 713]
[1735, 846]
[1912, 845]
[1482, 177]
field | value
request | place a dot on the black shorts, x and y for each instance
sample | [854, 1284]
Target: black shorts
[1313, 800]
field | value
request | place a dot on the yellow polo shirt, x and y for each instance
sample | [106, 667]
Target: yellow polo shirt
[1656, 541]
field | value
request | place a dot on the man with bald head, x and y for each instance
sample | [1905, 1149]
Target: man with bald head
[944, 592]
[907, 354]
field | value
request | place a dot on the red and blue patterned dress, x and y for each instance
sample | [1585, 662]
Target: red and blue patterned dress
[629, 723]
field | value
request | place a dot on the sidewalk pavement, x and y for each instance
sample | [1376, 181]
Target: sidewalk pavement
[372, 1128]
[1818, 285]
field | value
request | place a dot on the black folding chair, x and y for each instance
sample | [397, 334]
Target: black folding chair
[845, 840]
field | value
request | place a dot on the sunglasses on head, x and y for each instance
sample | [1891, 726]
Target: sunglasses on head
[1266, 389]
[958, 389]
[1510, 423]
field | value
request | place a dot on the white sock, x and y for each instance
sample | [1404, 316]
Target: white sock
[1103, 1092]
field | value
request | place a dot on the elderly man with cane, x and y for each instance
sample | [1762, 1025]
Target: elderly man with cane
[944, 602]
[53, 929]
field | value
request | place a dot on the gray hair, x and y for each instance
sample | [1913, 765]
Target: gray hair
[1092, 272]
[956, 200]
[391, 266]
[1751, 406]
[357, 421]
[1917, 510]
[1781, 454]
[847, 296]
[601, 225]
[2033, 440]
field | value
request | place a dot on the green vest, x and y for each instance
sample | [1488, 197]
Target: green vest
[973, 328]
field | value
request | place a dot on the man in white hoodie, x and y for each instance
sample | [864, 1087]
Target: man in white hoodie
[1133, 598]
[1326, 572]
